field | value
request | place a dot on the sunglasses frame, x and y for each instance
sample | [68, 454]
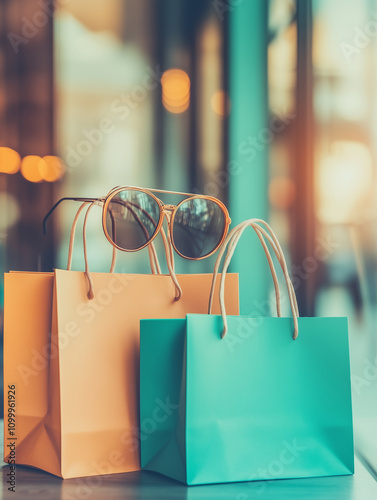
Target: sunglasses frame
[168, 211]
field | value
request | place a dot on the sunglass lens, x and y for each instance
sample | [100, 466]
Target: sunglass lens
[132, 219]
[199, 226]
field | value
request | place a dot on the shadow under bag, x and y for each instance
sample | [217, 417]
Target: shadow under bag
[253, 398]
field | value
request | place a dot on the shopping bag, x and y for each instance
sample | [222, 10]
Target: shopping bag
[248, 402]
[27, 323]
[87, 387]
[27, 351]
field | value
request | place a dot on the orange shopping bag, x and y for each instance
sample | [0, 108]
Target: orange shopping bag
[76, 381]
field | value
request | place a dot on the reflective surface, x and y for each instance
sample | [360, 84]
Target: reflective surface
[198, 227]
[33, 484]
[132, 219]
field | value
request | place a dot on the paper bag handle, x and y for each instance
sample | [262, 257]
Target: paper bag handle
[230, 245]
[72, 238]
[153, 258]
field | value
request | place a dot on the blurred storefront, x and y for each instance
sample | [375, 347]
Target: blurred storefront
[268, 105]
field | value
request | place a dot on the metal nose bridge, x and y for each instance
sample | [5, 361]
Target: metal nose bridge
[168, 208]
[167, 211]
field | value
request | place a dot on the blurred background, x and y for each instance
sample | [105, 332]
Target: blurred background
[270, 105]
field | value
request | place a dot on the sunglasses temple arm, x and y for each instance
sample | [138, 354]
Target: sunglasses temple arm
[138, 220]
[52, 209]
[145, 213]
[127, 204]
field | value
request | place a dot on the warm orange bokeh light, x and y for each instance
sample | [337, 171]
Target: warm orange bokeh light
[10, 161]
[282, 192]
[51, 168]
[29, 168]
[175, 90]
[220, 103]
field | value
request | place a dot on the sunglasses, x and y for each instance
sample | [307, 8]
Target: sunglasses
[132, 217]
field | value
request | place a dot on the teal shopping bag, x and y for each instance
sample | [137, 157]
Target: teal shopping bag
[253, 404]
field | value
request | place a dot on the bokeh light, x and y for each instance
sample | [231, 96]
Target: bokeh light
[51, 168]
[9, 210]
[220, 103]
[10, 161]
[282, 192]
[30, 168]
[175, 90]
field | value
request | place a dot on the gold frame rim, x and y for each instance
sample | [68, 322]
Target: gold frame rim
[149, 192]
[110, 196]
[227, 221]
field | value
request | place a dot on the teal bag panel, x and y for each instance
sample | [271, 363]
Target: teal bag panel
[262, 406]
[163, 396]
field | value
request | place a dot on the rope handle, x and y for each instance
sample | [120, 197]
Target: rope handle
[72, 235]
[72, 238]
[233, 242]
[153, 258]
[263, 231]
[168, 246]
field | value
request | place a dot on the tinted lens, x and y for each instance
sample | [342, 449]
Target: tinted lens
[198, 228]
[132, 218]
